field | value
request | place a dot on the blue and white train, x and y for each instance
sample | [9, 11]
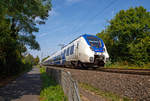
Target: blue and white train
[84, 51]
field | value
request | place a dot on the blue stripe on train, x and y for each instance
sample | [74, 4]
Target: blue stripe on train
[57, 62]
[63, 61]
[94, 48]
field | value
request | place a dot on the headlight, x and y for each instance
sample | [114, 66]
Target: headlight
[91, 59]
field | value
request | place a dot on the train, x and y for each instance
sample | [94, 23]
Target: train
[83, 52]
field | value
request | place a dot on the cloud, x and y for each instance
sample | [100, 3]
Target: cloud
[37, 19]
[113, 11]
[43, 34]
[72, 1]
[53, 13]
[59, 29]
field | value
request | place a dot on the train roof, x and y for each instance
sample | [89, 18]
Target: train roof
[84, 35]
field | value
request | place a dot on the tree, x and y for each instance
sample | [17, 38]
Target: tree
[37, 60]
[30, 59]
[18, 21]
[24, 15]
[128, 36]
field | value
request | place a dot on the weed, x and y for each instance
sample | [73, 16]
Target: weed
[51, 91]
[107, 95]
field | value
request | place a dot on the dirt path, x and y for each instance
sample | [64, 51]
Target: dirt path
[25, 88]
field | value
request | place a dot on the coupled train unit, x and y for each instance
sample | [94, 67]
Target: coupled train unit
[84, 51]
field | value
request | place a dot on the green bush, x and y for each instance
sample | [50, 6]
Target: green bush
[127, 37]
[108, 64]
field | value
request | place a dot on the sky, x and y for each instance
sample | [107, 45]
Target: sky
[69, 19]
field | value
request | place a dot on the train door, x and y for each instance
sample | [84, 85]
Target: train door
[77, 50]
[63, 57]
[72, 52]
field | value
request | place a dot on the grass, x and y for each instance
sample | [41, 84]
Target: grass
[126, 65]
[107, 95]
[51, 91]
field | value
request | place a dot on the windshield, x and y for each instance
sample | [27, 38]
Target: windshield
[94, 42]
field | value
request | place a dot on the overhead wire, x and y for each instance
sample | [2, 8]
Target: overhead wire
[92, 18]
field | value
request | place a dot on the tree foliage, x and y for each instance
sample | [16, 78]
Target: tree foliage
[128, 36]
[18, 21]
[45, 58]
[23, 16]
[31, 60]
[36, 60]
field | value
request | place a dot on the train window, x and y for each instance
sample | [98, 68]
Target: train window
[67, 52]
[94, 42]
[64, 52]
[72, 49]
[56, 58]
[77, 45]
[59, 57]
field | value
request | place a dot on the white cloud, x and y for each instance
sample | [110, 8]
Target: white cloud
[59, 29]
[53, 13]
[43, 34]
[37, 19]
[72, 1]
[113, 11]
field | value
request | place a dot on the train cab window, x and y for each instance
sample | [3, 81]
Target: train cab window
[67, 52]
[94, 42]
[71, 49]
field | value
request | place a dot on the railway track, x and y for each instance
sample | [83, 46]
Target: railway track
[126, 71]
[117, 70]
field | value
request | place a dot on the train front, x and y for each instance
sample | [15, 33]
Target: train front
[99, 50]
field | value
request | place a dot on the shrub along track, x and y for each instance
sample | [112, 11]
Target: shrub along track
[120, 82]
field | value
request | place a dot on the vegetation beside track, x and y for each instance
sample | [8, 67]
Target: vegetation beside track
[126, 65]
[107, 95]
[18, 22]
[51, 91]
[127, 38]
[24, 66]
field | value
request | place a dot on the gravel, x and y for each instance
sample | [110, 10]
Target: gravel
[136, 87]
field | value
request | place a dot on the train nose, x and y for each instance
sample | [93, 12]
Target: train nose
[99, 59]
[91, 59]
